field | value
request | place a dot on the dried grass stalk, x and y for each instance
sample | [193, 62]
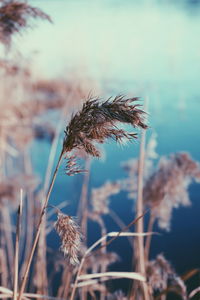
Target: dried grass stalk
[130, 275]
[113, 236]
[16, 257]
[194, 292]
[139, 243]
[3, 266]
[8, 294]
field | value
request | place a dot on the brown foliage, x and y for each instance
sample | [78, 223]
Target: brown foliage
[70, 236]
[14, 17]
[97, 122]
[162, 277]
[168, 186]
[100, 197]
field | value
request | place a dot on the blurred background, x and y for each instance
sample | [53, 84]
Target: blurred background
[145, 48]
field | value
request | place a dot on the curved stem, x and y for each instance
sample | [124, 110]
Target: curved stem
[77, 276]
[24, 280]
[113, 235]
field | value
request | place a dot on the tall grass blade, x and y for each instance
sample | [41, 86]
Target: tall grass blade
[16, 257]
[130, 275]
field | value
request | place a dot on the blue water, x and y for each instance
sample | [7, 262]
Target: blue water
[145, 49]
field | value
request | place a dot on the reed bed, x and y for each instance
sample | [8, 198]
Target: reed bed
[29, 268]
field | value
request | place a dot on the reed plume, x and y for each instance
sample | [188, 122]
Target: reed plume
[100, 197]
[129, 184]
[97, 121]
[118, 295]
[70, 235]
[130, 166]
[14, 16]
[161, 276]
[167, 187]
[97, 260]
[72, 166]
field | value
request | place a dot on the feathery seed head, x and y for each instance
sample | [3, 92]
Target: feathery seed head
[161, 275]
[70, 235]
[167, 187]
[97, 260]
[72, 167]
[117, 295]
[129, 184]
[100, 197]
[13, 18]
[158, 271]
[97, 121]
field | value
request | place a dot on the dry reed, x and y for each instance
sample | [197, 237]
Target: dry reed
[162, 276]
[167, 187]
[97, 121]
[70, 235]
[118, 295]
[14, 17]
[94, 123]
[100, 197]
[16, 258]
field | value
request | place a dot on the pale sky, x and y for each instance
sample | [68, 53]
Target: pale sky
[115, 41]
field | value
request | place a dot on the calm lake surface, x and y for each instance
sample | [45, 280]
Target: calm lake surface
[137, 48]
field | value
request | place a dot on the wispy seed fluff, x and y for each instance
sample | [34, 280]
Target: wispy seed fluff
[14, 16]
[100, 197]
[161, 276]
[70, 235]
[167, 187]
[97, 121]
